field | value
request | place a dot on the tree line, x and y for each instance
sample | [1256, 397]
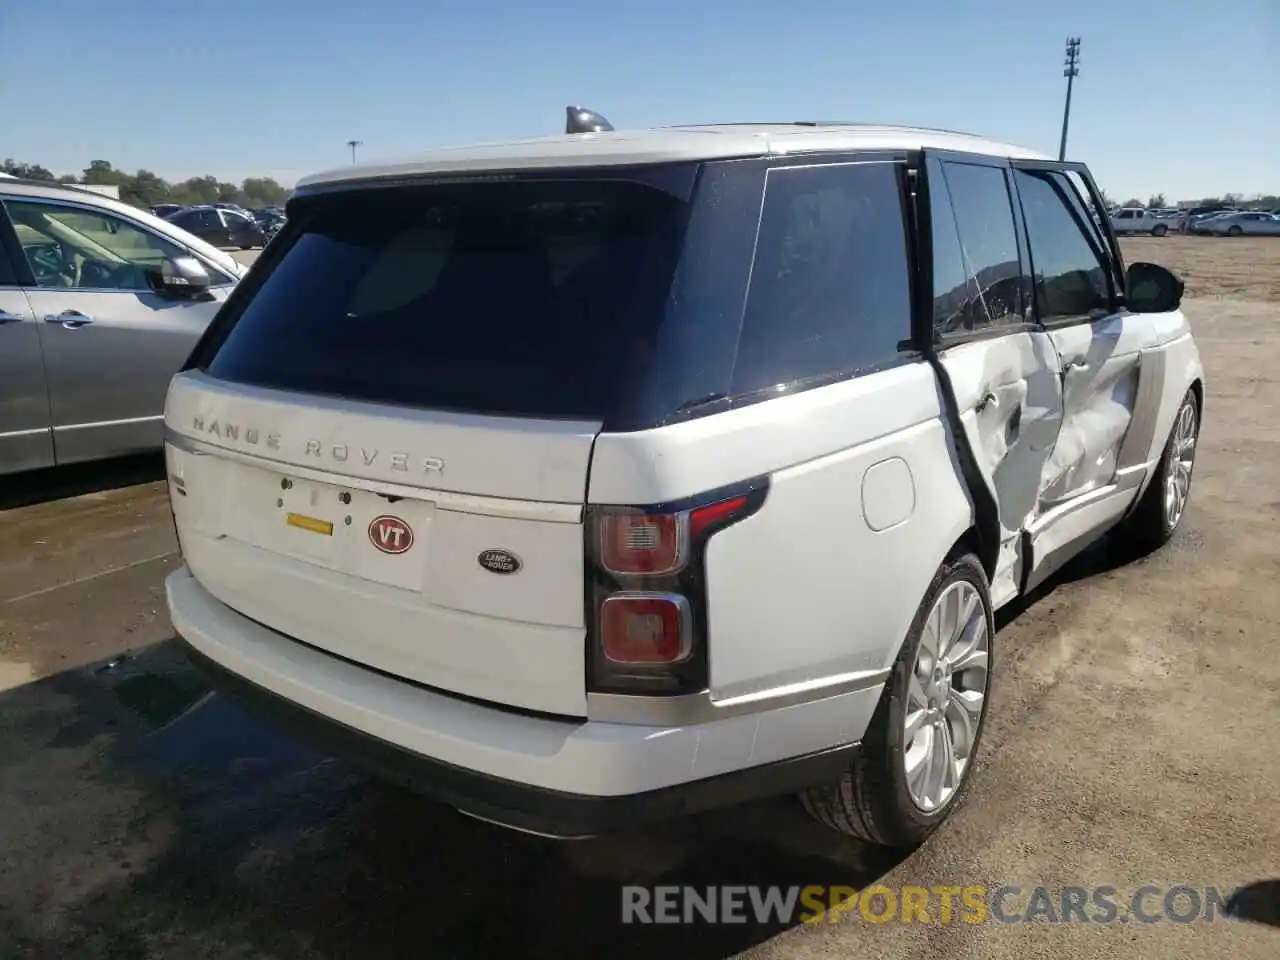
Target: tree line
[1158, 201]
[145, 189]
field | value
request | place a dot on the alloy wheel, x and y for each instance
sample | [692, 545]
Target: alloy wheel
[1182, 456]
[946, 696]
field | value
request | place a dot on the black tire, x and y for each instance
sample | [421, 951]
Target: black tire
[871, 800]
[1148, 527]
[1235, 231]
[1159, 230]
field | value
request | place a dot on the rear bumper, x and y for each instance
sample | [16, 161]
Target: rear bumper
[560, 777]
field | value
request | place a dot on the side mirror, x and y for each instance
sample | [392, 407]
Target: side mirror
[1153, 288]
[182, 278]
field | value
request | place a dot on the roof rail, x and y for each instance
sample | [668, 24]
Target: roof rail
[582, 120]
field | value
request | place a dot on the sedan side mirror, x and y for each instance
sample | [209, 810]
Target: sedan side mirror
[182, 278]
[1153, 288]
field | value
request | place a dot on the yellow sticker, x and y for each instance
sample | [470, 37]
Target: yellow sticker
[309, 523]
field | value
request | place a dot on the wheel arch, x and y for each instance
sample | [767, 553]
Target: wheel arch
[1197, 387]
[983, 546]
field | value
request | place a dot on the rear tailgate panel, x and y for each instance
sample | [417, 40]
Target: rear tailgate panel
[544, 461]
[291, 542]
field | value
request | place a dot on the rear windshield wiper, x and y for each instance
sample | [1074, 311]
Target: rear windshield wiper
[689, 406]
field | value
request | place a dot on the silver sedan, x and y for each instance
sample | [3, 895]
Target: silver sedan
[1239, 224]
[100, 304]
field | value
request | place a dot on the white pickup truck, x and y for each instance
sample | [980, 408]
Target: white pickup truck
[1138, 220]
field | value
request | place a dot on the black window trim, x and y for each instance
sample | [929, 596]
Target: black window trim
[909, 351]
[927, 337]
[11, 251]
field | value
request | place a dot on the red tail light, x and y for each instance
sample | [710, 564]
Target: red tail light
[646, 590]
[646, 628]
[709, 516]
[637, 543]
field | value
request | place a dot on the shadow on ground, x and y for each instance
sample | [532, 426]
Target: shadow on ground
[57, 483]
[1258, 902]
[142, 816]
[235, 841]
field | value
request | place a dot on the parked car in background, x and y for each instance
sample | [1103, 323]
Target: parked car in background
[220, 226]
[167, 209]
[1201, 223]
[100, 304]
[233, 207]
[1192, 215]
[1238, 224]
[270, 219]
[640, 479]
[1138, 220]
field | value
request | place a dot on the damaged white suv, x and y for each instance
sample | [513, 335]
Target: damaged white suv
[595, 479]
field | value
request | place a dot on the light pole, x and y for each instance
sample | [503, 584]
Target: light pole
[354, 144]
[1071, 71]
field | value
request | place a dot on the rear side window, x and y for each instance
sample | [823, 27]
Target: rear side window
[535, 298]
[1070, 276]
[956, 304]
[988, 242]
[830, 289]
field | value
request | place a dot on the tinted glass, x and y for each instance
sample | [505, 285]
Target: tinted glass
[530, 298]
[988, 241]
[830, 289]
[1070, 278]
[956, 304]
[8, 276]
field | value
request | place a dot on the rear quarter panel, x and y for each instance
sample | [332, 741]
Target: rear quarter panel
[866, 498]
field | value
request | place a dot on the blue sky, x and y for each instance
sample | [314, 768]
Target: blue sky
[1180, 96]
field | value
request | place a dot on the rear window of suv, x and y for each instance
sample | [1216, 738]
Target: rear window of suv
[631, 296]
[535, 298]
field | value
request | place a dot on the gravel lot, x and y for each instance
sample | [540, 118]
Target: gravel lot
[1132, 741]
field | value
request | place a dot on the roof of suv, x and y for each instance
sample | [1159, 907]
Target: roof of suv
[668, 145]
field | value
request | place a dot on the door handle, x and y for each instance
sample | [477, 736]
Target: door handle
[989, 399]
[71, 319]
[7, 317]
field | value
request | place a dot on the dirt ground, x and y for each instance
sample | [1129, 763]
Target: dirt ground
[1247, 268]
[1132, 740]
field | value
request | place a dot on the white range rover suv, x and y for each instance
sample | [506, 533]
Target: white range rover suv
[588, 480]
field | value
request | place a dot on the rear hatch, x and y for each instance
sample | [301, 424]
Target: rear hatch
[382, 448]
